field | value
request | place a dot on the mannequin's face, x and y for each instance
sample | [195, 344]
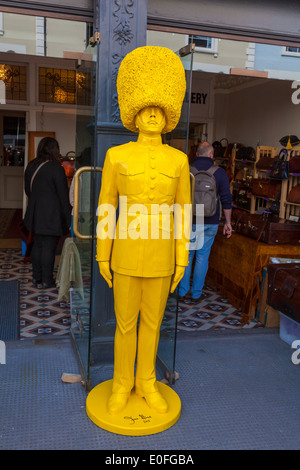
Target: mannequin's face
[151, 120]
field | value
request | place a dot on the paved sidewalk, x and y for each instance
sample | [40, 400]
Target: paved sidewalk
[239, 390]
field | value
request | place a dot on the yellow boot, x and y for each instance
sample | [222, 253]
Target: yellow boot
[154, 400]
[117, 402]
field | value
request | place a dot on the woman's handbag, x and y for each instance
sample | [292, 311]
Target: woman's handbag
[280, 169]
[242, 201]
[275, 206]
[219, 149]
[246, 153]
[283, 292]
[294, 163]
[268, 228]
[265, 188]
[294, 195]
[265, 163]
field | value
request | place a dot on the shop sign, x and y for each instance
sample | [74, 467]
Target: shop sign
[200, 99]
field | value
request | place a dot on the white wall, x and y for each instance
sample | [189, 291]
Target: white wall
[257, 114]
[64, 126]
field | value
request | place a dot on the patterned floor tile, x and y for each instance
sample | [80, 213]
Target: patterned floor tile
[41, 313]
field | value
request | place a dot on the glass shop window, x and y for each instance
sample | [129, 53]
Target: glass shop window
[204, 43]
[14, 78]
[290, 50]
[64, 86]
[13, 140]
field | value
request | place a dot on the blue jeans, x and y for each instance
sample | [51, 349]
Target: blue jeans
[201, 248]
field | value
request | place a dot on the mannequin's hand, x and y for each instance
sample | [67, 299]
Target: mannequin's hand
[105, 272]
[178, 275]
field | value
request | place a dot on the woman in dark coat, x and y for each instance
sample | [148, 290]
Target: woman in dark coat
[48, 215]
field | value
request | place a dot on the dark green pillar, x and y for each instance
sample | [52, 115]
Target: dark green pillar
[122, 25]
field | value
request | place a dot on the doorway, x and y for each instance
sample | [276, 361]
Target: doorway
[12, 151]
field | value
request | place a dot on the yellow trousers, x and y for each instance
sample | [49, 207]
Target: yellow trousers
[134, 296]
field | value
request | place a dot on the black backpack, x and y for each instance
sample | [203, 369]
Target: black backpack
[205, 190]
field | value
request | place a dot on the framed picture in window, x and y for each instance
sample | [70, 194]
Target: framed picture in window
[34, 138]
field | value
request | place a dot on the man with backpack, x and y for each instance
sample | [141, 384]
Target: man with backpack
[212, 190]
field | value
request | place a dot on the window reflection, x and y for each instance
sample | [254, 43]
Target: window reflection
[64, 86]
[226, 56]
[41, 36]
[13, 140]
[14, 77]
[293, 50]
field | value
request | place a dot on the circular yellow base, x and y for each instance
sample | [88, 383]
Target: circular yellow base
[137, 419]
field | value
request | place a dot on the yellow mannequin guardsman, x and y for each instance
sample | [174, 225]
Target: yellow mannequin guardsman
[142, 251]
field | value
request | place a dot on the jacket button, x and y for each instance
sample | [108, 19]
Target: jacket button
[151, 197]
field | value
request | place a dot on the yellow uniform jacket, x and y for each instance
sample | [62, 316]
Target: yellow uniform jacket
[144, 182]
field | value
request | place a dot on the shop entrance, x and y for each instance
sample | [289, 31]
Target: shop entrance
[12, 145]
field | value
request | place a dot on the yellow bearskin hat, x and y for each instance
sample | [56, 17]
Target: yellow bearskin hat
[151, 76]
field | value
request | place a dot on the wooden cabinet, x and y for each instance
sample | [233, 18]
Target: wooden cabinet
[242, 173]
[260, 203]
[287, 210]
[239, 172]
[290, 210]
